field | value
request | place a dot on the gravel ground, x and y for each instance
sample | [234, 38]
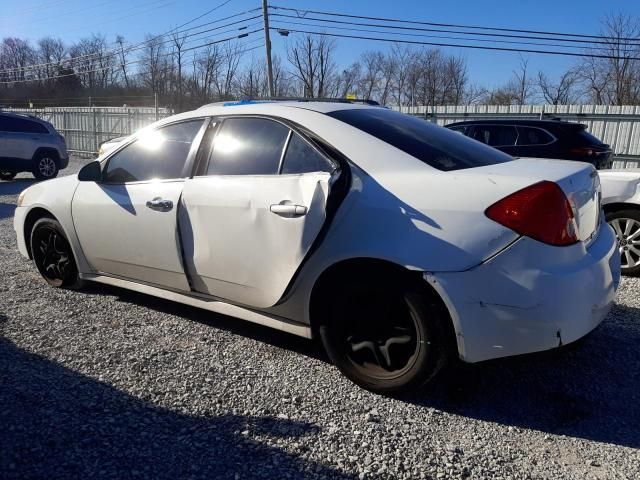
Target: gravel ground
[106, 383]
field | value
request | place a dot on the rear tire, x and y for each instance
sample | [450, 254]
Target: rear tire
[626, 225]
[385, 338]
[7, 175]
[53, 256]
[45, 166]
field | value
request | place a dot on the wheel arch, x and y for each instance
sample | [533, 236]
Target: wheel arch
[30, 220]
[48, 151]
[367, 267]
[618, 206]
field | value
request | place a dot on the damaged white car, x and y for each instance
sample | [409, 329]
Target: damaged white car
[398, 242]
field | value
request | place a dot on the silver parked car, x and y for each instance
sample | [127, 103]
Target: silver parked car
[28, 144]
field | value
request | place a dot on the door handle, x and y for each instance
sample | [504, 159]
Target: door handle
[160, 204]
[288, 210]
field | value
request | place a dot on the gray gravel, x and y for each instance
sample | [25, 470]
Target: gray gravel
[106, 383]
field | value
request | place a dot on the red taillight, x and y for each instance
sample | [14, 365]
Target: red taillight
[583, 151]
[540, 211]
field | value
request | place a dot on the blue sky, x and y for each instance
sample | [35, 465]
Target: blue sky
[73, 19]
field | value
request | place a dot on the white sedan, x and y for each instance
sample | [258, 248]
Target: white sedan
[399, 243]
[621, 201]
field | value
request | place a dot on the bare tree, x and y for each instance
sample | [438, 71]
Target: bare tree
[561, 92]
[252, 81]
[404, 58]
[16, 55]
[372, 64]
[154, 64]
[521, 84]
[51, 52]
[178, 45]
[312, 60]
[615, 80]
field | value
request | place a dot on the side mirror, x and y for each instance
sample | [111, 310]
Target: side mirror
[91, 172]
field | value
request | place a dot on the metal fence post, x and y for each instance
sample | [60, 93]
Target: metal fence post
[95, 131]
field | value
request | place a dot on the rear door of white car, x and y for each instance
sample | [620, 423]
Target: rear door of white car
[127, 223]
[253, 210]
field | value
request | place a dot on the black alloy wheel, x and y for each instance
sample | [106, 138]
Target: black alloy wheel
[52, 254]
[385, 339]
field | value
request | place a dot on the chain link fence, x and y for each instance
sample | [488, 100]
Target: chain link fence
[85, 128]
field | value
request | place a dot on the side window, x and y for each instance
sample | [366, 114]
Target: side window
[533, 136]
[303, 158]
[495, 135]
[157, 154]
[247, 146]
[21, 125]
[460, 129]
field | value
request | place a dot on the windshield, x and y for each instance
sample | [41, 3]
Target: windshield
[436, 146]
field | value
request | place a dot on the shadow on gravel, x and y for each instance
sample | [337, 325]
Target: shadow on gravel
[57, 423]
[6, 210]
[589, 390]
[14, 187]
[236, 326]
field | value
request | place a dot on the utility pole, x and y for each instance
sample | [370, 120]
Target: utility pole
[267, 46]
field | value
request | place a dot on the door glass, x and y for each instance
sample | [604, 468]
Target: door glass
[303, 158]
[533, 136]
[157, 154]
[495, 135]
[247, 146]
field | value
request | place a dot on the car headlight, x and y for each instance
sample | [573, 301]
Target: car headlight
[21, 198]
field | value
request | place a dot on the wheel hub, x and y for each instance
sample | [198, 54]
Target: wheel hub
[380, 336]
[628, 235]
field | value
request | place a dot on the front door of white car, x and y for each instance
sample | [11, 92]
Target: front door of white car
[127, 224]
[252, 214]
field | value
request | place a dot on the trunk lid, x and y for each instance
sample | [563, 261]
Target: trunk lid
[579, 182]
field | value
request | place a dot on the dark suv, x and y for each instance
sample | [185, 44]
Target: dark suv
[539, 138]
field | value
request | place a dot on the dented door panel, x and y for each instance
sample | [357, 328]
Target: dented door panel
[245, 236]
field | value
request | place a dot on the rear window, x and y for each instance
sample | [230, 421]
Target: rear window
[436, 146]
[588, 138]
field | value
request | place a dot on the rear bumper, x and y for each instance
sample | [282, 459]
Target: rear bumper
[531, 297]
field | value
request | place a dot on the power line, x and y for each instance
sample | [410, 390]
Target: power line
[439, 30]
[242, 35]
[131, 48]
[303, 13]
[285, 24]
[477, 47]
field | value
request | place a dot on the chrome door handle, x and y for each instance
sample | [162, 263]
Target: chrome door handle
[287, 210]
[160, 204]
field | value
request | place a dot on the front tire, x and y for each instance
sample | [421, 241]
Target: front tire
[53, 256]
[385, 338]
[45, 166]
[626, 224]
[7, 175]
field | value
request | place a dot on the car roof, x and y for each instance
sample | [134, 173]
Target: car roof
[518, 121]
[25, 116]
[263, 106]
